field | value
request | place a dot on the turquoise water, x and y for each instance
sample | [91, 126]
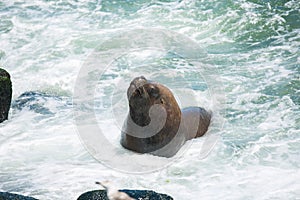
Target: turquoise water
[247, 73]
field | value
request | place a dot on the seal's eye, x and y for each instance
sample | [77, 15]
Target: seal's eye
[162, 101]
[153, 91]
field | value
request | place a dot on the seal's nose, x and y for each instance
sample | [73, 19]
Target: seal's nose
[136, 85]
[139, 81]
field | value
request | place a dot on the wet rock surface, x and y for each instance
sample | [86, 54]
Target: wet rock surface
[5, 94]
[11, 196]
[137, 194]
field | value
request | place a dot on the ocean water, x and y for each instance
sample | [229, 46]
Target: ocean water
[239, 59]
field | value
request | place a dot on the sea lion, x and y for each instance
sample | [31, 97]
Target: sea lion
[155, 123]
[5, 94]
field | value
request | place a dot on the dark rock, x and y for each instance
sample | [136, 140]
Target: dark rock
[5, 94]
[94, 195]
[146, 194]
[137, 194]
[39, 102]
[11, 196]
[34, 101]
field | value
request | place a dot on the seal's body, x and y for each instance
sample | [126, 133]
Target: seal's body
[155, 123]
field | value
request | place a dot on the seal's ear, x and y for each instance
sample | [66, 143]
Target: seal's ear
[153, 91]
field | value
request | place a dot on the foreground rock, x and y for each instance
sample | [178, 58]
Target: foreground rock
[11, 196]
[137, 194]
[5, 94]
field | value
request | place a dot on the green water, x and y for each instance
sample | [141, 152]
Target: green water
[252, 47]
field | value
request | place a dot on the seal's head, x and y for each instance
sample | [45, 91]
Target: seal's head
[143, 94]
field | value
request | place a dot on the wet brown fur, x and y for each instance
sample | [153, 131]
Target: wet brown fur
[142, 94]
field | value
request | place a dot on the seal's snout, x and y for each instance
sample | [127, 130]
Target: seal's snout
[139, 81]
[136, 86]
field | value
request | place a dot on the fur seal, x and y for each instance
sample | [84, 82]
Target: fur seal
[155, 123]
[5, 94]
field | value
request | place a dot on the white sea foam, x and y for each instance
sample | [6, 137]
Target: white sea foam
[249, 78]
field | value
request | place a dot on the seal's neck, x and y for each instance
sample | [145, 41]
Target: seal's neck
[140, 116]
